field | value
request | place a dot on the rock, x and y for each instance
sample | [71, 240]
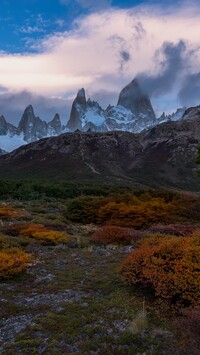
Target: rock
[133, 112]
[32, 127]
[7, 128]
[77, 112]
[133, 99]
[54, 126]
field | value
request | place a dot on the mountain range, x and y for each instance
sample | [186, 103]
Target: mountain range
[160, 156]
[133, 113]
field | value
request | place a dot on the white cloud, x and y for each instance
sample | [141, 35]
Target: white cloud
[91, 53]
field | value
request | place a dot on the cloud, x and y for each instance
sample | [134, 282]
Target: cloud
[171, 68]
[13, 104]
[125, 57]
[105, 98]
[3, 89]
[105, 50]
[189, 94]
[33, 25]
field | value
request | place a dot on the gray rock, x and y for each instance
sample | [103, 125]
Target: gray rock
[32, 127]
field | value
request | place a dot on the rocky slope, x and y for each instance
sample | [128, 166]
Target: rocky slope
[161, 156]
[2, 152]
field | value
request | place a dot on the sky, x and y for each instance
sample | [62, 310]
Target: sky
[49, 49]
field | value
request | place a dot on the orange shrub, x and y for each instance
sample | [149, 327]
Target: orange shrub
[137, 215]
[43, 234]
[12, 261]
[170, 266]
[113, 235]
[7, 212]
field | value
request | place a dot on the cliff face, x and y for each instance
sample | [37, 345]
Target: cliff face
[162, 156]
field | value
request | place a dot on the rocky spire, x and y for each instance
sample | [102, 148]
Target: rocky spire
[78, 108]
[3, 125]
[31, 126]
[133, 98]
[54, 126]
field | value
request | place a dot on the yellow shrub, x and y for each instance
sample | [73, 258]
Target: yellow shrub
[44, 234]
[13, 261]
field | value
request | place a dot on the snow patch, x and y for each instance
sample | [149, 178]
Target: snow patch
[94, 117]
[9, 144]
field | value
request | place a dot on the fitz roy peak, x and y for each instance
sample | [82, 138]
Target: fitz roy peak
[133, 113]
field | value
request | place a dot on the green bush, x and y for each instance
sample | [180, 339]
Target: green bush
[84, 209]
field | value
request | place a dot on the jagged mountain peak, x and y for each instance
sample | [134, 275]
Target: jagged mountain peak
[81, 93]
[30, 126]
[55, 126]
[3, 125]
[28, 115]
[133, 112]
[29, 109]
[2, 119]
[81, 98]
[134, 99]
[7, 128]
[56, 119]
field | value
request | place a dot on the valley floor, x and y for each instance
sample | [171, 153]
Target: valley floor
[70, 300]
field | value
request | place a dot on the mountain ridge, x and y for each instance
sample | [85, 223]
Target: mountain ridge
[133, 112]
[162, 156]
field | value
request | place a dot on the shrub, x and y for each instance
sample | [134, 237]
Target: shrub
[170, 266]
[12, 262]
[44, 235]
[7, 242]
[84, 209]
[136, 213]
[13, 229]
[7, 212]
[112, 235]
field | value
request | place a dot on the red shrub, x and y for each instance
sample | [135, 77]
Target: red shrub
[114, 235]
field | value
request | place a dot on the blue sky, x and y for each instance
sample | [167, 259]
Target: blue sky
[49, 49]
[23, 21]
